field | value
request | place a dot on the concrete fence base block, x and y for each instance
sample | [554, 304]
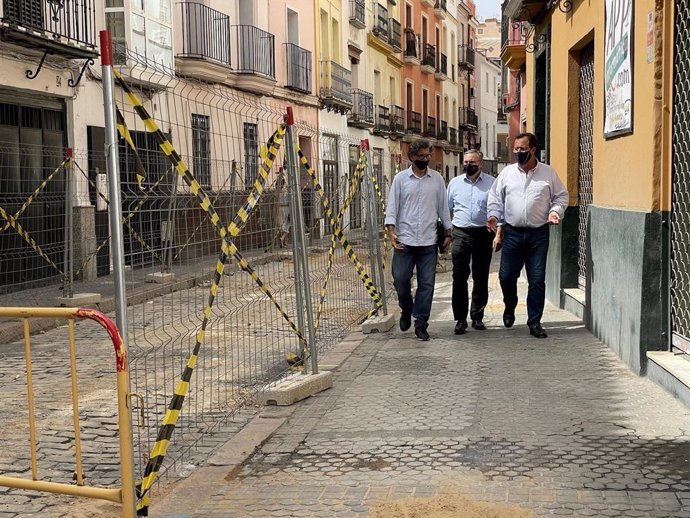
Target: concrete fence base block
[160, 277]
[78, 300]
[379, 324]
[296, 388]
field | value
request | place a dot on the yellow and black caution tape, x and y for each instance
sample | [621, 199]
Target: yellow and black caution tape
[125, 134]
[379, 193]
[228, 248]
[11, 221]
[338, 233]
[25, 205]
[355, 182]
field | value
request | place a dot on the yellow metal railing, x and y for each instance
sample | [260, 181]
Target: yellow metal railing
[124, 495]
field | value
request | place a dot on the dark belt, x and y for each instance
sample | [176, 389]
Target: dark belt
[527, 229]
[469, 229]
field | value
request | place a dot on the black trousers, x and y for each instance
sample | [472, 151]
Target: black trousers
[471, 251]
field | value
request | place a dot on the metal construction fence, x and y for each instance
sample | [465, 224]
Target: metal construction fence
[221, 196]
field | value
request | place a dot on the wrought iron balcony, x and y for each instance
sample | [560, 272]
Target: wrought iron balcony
[429, 59]
[394, 34]
[362, 114]
[430, 127]
[63, 27]
[397, 117]
[442, 133]
[453, 136]
[414, 122]
[381, 23]
[413, 52]
[441, 67]
[441, 9]
[468, 118]
[298, 68]
[466, 57]
[255, 51]
[358, 14]
[336, 87]
[205, 33]
[383, 121]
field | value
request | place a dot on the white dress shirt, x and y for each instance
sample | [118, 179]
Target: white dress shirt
[523, 199]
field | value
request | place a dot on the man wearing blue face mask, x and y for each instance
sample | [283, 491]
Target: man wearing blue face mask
[416, 201]
[472, 243]
[527, 197]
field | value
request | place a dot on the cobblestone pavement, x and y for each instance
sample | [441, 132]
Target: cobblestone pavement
[558, 426]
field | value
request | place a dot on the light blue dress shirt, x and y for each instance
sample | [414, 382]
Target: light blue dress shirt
[467, 200]
[415, 205]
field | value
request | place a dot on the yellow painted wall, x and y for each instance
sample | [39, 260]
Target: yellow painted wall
[627, 169]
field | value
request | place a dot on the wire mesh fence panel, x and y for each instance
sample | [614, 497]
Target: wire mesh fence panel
[208, 247]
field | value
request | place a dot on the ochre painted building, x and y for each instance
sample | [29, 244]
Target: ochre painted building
[598, 93]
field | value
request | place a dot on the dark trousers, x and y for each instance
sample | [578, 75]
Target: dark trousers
[526, 247]
[404, 262]
[471, 245]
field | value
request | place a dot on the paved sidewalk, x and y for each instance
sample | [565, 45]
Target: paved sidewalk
[558, 426]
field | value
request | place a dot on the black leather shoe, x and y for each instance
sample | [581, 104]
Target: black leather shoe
[508, 320]
[461, 327]
[537, 331]
[421, 334]
[478, 325]
[405, 322]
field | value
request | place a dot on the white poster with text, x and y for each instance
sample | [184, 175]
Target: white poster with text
[618, 73]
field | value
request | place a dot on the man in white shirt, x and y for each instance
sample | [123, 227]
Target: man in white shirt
[416, 201]
[527, 197]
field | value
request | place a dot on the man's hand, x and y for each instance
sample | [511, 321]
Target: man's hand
[554, 218]
[497, 243]
[492, 223]
[446, 243]
[394, 239]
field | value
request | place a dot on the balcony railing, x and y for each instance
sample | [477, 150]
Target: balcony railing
[358, 13]
[362, 108]
[465, 56]
[381, 22]
[397, 117]
[298, 68]
[414, 122]
[468, 117]
[429, 56]
[453, 136]
[430, 127]
[67, 27]
[412, 45]
[336, 85]
[394, 34]
[442, 67]
[205, 33]
[441, 7]
[383, 120]
[442, 133]
[255, 51]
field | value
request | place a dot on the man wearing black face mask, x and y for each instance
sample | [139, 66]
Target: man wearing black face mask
[416, 201]
[467, 198]
[527, 197]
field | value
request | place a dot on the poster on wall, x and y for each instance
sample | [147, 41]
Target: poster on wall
[618, 73]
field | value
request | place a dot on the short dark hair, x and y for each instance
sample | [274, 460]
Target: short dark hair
[531, 138]
[419, 144]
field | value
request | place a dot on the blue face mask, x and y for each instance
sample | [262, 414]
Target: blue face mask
[421, 164]
[522, 157]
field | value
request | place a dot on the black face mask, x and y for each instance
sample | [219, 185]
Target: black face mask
[470, 169]
[421, 164]
[522, 157]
